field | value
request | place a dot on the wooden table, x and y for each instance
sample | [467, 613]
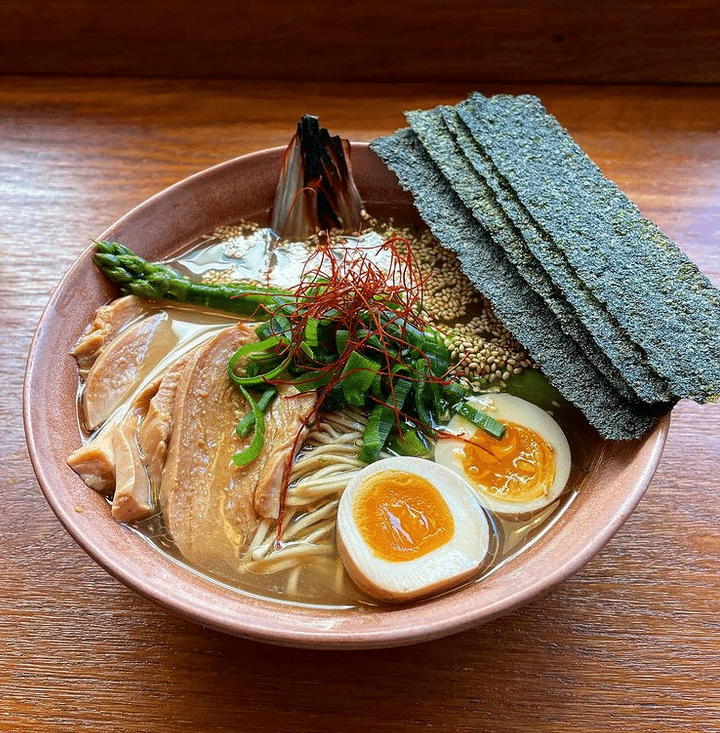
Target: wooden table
[630, 643]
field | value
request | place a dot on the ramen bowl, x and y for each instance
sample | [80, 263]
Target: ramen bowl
[164, 225]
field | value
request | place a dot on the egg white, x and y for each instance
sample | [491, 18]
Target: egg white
[508, 408]
[460, 558]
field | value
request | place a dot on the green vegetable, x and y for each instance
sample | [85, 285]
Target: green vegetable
[357, 377]
[533, 385]
[455, 391]
[254, 348]
[247, 424]
[341, 339]
[422, 393]
[278, 326]
[309, 381]
[481, 419]
[136, 276]
[382, 420]
[318, 332]
[253, 450]
[411, 443]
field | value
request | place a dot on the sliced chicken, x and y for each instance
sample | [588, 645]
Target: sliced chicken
[207, 501]
[206, 516]
[121, 366]
[111, 462]
[94, 461]
[285, 430]
[154, 431]
[109, 320]
[133, 497]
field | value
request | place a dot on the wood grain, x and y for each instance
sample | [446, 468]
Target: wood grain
[408, 40]
[630, 643]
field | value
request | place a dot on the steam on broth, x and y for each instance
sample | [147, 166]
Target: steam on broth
[289, 551]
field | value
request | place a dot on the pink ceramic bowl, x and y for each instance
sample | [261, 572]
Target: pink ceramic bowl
[163, 225]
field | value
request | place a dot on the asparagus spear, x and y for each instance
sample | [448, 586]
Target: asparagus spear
[145, 279]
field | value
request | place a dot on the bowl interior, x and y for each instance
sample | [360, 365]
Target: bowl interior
[244, 188]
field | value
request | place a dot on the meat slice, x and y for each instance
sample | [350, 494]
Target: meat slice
[207, 501]
[109, 320]
[133, 496]
[121, 366]
[206, 514]
[94, 461]
[154, 432]
[285, 430]
[111, 462]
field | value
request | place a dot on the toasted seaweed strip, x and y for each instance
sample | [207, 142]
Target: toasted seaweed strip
[659, 296]
[433, 129]
[519, 307]
[618, 354]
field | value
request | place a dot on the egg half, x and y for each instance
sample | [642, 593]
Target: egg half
[408, 528]
[521, 473]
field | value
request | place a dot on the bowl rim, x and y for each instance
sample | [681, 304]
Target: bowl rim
[191, 595]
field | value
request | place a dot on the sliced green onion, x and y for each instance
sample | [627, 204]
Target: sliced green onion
[382, 420]
[307, 350]
[374, 342]
[262, 356]
[276, 326]
[455, 391]
[254, 348]
[341, 339]
[260, 378]
[440, 406]
[309, 381]
[405, 331]
[318, 332]
[437, 356]
[481, 419]
[334, 399]
[253, 450]
[312, 331]
[411, 443]
[421, 393]
[316, 354]
[245, 426]
[357, 377]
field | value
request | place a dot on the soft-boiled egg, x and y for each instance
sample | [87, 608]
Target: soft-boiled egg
[521, 473]
[408, 527]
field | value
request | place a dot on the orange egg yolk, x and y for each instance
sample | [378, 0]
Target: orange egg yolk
[518, 467]
[401, 516]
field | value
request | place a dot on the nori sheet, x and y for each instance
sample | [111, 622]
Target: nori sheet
[522, 311]
[652, 289]
[437, 130]
[609, 338]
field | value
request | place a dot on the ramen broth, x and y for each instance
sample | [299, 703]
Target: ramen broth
[323, 581]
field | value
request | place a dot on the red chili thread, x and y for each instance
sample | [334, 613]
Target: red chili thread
[344, 287]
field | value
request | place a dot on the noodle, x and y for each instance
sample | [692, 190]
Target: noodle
[325, 466]
[312, 518]
[293, 580]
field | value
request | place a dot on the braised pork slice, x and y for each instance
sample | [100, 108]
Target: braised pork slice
[207, 501]
[122, 364]
[109, 320]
